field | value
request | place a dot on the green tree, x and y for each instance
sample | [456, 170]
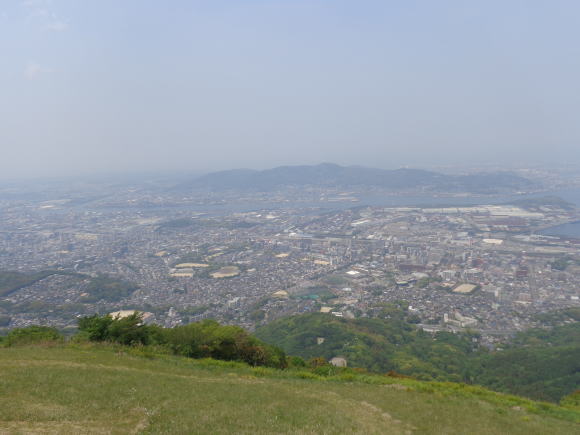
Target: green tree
[95, 327]
[129, 330]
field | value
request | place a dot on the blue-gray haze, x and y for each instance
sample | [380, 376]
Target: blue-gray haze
[138, 85]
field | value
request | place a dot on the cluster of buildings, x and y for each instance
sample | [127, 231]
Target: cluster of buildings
[477, 267]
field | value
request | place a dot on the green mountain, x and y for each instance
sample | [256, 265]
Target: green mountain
[98, 388]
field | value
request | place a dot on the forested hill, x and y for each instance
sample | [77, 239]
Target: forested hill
[332, 175]
[378, 345]
[541, 364]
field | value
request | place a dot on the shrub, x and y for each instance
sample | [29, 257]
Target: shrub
[206, 339]
[31, 335]
[296, 361]
[325, 370]
[127, 330]
[95, 327]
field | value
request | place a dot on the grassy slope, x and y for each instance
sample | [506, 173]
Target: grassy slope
[99, 390]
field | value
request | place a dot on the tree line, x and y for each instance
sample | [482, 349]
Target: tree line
[205, 339]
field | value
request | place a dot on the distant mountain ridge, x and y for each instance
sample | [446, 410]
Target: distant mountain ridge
[332, 175]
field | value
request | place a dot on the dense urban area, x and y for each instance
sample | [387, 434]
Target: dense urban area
[181, 258]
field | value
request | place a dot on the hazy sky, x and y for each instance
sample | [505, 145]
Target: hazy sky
[113, 85]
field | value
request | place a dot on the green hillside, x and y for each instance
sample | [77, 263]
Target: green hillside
[97, 388]
[543, 364]
[379, 345]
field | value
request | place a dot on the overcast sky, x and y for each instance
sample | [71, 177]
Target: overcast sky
[131, 85]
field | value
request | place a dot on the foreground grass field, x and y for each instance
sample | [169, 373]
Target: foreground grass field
[98, 389]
